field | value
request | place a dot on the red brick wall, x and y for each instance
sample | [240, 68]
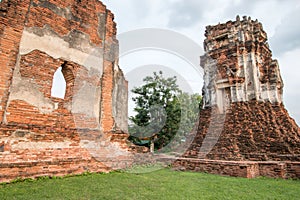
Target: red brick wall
[43, 135]
[246, 169]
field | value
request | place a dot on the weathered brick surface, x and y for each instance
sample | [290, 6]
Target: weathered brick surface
[253, 130]
[44, 135]
[244, 118]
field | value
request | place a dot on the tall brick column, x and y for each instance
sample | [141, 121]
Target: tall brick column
[13, 15]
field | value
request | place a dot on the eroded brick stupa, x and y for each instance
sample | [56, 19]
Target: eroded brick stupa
[85, 130]
[244, 128]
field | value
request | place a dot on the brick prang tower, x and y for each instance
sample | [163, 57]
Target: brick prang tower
[238, 65]
[244, 128]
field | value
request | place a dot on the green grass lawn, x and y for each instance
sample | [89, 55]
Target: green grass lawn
[161, 184]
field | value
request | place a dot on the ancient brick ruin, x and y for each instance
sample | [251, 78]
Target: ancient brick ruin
[85, 130]
[244, 129]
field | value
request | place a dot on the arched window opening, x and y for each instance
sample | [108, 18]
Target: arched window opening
[59, 85]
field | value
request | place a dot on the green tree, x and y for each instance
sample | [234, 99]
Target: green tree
[190, 106]
[163, 111]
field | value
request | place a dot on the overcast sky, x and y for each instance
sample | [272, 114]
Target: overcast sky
[280, 19]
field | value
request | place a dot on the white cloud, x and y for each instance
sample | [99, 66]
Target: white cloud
[286, 36]
[135, 14]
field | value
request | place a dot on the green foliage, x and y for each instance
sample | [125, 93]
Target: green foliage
[163, 110]
[171, 185]
[190, 106]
